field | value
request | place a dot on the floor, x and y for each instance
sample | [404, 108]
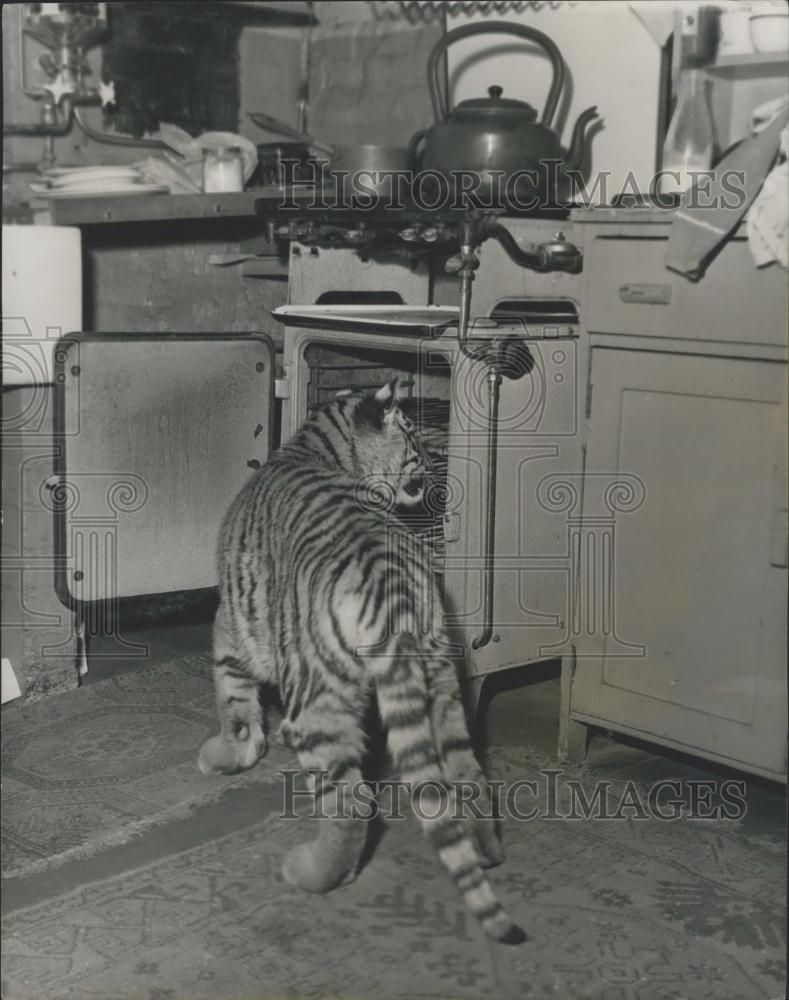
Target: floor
[518, 708]
[518, 711]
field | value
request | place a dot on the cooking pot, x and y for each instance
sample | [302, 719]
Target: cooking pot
[499, 138]
[375, 159]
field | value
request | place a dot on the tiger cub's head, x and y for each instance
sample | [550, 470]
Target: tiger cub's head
[386, 452]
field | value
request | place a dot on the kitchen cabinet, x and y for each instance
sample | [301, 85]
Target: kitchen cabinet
[680, 599]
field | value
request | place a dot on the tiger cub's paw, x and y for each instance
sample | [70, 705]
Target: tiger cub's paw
[491, 853]
[220, 756]
[288, 735]
[304, 868]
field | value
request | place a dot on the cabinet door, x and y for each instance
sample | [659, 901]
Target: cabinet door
[691, 648]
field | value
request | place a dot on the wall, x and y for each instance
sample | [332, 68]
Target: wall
[271, 66]
[364, 77]
[155, 279]
[367, 76]
[612, 61]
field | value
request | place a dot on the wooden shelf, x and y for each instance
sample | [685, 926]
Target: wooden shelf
[166, 207]
[750, 64]
[251, 12]
[273, 8]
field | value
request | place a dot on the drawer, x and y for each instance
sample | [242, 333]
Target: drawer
[631, 291]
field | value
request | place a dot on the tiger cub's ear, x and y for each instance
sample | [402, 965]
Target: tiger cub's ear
[391, 393]
[389, 397]
[387, 394]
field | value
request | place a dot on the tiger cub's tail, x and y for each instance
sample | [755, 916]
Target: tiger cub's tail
[404, 705]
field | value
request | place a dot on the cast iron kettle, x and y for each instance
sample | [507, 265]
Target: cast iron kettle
[499, 134]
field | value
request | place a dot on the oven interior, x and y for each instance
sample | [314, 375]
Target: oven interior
[425, 376]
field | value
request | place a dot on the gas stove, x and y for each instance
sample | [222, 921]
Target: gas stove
[410, 233]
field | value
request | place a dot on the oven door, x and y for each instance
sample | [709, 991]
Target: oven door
[155, 436]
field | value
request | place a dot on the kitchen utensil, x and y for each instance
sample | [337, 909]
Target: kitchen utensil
[496, 137]
[106, 192]
[425, 319]
[262, 120]
[67, 175]
[91, 183]
[166, 169]
[377, 161]
[222, 169]
[272, 154]
[770, 28]
[88, 186]
[114, 139]
[193, 153]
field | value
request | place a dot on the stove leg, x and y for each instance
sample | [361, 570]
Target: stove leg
[82, 647]
[573, 736]
[473, 697]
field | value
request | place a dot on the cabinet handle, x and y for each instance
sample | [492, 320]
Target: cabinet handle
[779, 545]
[647, 293]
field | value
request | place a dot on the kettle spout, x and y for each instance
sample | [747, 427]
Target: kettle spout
[577, 149]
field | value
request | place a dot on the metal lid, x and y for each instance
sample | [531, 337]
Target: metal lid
[213, 150]
[496, 106]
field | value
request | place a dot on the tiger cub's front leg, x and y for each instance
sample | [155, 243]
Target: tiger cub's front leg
[242, 738]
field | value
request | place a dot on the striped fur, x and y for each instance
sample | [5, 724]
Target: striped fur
[323, 598]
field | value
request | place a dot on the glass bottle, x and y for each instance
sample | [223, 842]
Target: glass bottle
[690, 139]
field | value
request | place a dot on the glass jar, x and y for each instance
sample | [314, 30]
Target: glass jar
[223, 169]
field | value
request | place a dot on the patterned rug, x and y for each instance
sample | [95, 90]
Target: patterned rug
[93, 768]
[641, 910]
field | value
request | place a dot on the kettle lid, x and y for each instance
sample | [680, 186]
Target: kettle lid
[496, 105]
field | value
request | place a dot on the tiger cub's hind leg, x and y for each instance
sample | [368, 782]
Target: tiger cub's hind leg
[242, 739]
[330, 743]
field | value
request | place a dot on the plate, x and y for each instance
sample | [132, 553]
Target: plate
[60, 174]
[94, 182]
[402, 317]
[108, 192]
[100, 184]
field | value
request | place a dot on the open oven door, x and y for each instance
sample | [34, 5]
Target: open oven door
[155, 435]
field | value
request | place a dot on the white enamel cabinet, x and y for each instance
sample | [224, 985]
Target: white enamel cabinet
[680, 616]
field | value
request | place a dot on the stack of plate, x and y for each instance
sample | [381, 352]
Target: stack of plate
[92, 182]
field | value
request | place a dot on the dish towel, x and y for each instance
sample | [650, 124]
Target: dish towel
[185, 176]
[696, 233]
[768, 219]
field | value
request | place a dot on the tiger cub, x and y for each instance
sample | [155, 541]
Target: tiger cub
[316, 600]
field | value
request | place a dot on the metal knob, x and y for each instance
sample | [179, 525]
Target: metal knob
[560, 253]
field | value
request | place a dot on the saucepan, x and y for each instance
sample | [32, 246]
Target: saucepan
[375, 159]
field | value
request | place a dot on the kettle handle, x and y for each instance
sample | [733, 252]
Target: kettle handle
[413, 147]
[441, 108]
